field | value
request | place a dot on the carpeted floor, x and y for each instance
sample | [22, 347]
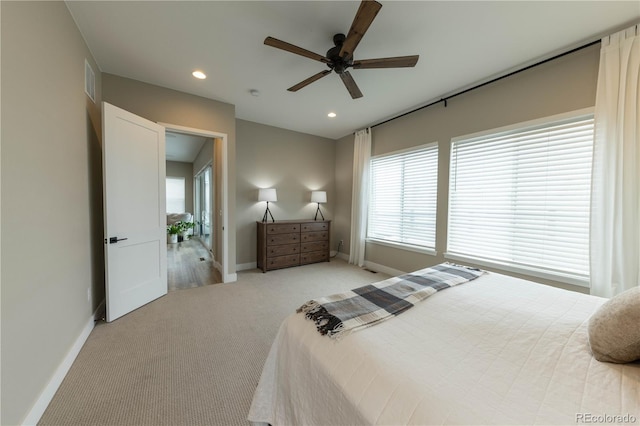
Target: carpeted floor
[193, 357]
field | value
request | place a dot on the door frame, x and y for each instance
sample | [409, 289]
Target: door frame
[226, 276]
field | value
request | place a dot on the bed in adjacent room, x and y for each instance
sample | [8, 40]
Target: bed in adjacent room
[495, 350]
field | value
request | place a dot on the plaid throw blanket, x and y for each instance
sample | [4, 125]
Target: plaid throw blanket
[340, 314]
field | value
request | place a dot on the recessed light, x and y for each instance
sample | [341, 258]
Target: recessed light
[331, 115]
[254, 92]
[199, 74]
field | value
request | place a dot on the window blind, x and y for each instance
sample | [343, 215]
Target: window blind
[521, 198]
[175, 195]
[403, 195]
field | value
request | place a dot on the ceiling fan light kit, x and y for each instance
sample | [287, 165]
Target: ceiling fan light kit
[340, 57]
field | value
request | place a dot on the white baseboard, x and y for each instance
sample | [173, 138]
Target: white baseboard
[230, 278]
[343, 256]
[372, 265]
[51, 388]
[381, 268]
[246, 266]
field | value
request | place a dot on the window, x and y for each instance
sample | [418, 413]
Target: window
[520, 199]
[403, 197]
[175, 195]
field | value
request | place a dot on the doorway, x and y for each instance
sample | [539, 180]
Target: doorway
[211, 173]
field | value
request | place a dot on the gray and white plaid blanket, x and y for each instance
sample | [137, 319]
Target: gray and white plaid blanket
[340, 314]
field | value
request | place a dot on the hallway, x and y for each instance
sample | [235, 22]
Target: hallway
[190, 265]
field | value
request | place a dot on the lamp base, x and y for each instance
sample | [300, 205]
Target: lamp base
[318, 211]
[267, 211]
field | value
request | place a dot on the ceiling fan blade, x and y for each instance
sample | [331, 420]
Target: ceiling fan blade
[395, 62]
[366, 13]
[309, 81]
[279, 44]
[351, 85]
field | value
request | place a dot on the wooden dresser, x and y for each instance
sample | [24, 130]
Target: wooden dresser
[286, 243]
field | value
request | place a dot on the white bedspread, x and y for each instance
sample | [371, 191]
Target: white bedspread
[496, 350]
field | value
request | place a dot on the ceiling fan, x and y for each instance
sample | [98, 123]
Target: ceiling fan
[340, 57]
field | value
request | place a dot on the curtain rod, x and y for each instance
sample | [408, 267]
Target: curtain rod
[445, 99]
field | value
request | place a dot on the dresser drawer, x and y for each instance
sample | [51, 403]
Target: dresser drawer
[273, 251]
[313, 257]
[278, 239]
[283, 261]
[315, 236]
[283, 228]
[320, 226]
[314, 246]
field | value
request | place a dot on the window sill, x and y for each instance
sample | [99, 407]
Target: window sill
[402, 246]
[565, 278]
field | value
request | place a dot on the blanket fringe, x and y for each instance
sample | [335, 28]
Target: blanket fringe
[325, 322]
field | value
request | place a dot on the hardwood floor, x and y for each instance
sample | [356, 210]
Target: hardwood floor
[189, 265]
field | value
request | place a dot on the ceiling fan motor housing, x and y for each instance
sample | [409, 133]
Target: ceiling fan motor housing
[338, 64]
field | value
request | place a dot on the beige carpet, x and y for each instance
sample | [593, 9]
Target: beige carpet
[193, 357]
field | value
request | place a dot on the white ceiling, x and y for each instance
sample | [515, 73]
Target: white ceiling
[459, 43]
[182, 147]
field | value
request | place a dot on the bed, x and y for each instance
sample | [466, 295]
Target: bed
[495, 350]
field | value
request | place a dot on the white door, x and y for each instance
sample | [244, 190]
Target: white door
[133, 168]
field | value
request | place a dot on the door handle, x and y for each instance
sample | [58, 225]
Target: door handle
[114, 240]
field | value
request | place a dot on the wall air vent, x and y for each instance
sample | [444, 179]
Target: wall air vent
[89, 81]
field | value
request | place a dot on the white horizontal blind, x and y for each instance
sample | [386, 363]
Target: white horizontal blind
[522, 198]
[402, 207]
[175, 195]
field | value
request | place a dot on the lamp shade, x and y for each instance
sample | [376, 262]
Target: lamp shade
[268, 194]
[318, 196]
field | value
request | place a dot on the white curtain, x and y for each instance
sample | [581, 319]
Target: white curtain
[360, 195]
[615, 198]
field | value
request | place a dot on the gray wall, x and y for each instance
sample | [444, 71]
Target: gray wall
[293, 163]
[204, 157]
[51, 199]
[159, 104]
[183, 170]
[562, 85]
